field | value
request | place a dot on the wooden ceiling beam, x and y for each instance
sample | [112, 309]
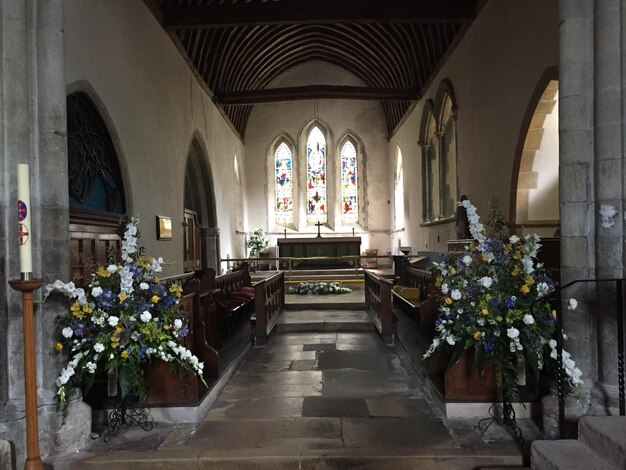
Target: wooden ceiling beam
[311, 92]
[222, 14]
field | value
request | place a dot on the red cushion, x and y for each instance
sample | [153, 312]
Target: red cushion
[242, 295]
[248, 289]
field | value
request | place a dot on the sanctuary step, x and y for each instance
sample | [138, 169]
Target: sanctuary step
[315, 275]
[601, 444]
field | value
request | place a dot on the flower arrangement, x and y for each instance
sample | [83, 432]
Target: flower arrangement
[257, 242]
[123, 319]
[493, 301]
[319, 288]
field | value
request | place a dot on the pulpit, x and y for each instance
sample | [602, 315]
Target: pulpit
[318, 248]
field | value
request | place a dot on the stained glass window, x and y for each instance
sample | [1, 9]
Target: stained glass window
[283, 166]
[349, 184]
[316, 176]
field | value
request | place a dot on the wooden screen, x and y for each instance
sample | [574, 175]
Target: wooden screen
[193, 242]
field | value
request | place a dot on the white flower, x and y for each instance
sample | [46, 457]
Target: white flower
[444, 288]
[528, 319]
[512, 332]
[96, 291]
[67, 332]
[552, 344]
[113, 320]
[486, 281]
[528, 264]
[146, 316]
[178, 324]
[143, 286]
[572, 304]
[451, 340]
[513, 239]
[467, 259]
[91, 367]
[98, 347]
[542, 289]
[112, 268]
[112, 356]
[455, 294]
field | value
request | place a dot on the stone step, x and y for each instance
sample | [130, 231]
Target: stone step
[606, 436]
[566, 454]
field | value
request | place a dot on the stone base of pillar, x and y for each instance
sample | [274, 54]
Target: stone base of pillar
[604, 400]
[6, 460]
[573, 412]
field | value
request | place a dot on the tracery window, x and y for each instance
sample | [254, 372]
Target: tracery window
[448, 157]
[283, 179]
[316, 177]
[399, 192]
[349, 183]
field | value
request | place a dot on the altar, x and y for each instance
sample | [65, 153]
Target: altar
[320, 247]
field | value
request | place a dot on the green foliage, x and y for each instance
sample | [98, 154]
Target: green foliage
[257, 242]
[496, 225]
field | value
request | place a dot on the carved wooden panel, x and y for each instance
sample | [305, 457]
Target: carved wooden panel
[193, 242]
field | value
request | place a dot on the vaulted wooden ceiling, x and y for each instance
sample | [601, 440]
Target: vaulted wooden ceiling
[239, 46]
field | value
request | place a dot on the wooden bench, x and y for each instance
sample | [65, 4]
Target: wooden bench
[415, 292]
[236, 297]
[269, 302]
[378, 305]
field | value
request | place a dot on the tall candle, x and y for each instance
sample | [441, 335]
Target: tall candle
[23, 216]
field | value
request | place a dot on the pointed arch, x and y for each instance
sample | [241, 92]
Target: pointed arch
[282, 166]
[201, 242]
[316, 163]
[399, 205]
[430, 162]
[446, 120]
[351, 182]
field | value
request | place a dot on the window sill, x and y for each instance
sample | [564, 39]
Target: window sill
[445, 220]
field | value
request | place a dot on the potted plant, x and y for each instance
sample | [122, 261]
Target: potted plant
[257, 242]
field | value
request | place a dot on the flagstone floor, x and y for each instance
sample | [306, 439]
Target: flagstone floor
[314, 400]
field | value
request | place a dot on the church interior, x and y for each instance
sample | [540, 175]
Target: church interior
[346, 132]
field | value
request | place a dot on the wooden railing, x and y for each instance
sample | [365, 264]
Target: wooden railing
[269, 302]
[378, 303]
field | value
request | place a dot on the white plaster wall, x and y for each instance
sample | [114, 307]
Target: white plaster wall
[365, 118]
[494, 71]
[156, 105]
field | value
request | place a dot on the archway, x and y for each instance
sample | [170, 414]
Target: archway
[201, 240]
[537, 189]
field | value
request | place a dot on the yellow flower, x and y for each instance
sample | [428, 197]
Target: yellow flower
[525, 289]
[515, 271]
[448, 300]
[176, 289]
[485, 311]
[87, 308]
[439, 281]
[102, 272]
[119, 330]
[76, 310]
[58, 346]
[485, 257]
[452, 271]
[554, 314]
[507, 248]
[157, 280]
[517, 255]
[124, 353]
[166, 327]
[121, 296]
[529, 280]
[155, 299]
[476, 335]
[141, 261]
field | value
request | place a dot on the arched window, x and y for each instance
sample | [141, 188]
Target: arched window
[430, 164]
[283, 180]
[448, 152]
[399, 192]
[349, 184]
[316, 176]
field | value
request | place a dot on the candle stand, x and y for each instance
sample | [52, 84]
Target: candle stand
[27, 287]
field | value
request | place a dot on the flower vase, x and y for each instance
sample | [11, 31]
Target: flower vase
[464, 382]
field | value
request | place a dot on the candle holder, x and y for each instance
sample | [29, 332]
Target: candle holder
[27, 286]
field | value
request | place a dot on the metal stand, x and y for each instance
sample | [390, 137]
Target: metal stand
[125, 414]
[504, 415]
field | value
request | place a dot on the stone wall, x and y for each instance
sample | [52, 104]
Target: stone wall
[494, 71]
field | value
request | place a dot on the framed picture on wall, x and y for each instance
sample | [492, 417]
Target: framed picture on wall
[164, 227]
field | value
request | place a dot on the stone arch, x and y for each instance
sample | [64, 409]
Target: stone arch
[535, 188]
[399, 207]
[201, 234]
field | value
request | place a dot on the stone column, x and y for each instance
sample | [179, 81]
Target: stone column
[33, 123]
[591, 124]
[211, 241]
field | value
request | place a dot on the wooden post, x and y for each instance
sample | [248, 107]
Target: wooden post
[26, 287]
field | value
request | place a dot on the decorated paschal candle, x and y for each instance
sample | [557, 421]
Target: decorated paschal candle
[23, 217]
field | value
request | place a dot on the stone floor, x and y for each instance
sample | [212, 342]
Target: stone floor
[327, 400]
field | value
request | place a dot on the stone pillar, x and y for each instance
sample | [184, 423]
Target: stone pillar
[33, 123]
[591, 124]
[211, 238]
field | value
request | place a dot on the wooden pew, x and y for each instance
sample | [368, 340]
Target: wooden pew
[236, 297]
[415, 293]
[269, 303]
[378, 305]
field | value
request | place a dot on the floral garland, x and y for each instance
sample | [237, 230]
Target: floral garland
[493, 303]
[126, 317]
[319, 288]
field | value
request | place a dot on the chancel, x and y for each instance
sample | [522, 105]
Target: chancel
[338, 133]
